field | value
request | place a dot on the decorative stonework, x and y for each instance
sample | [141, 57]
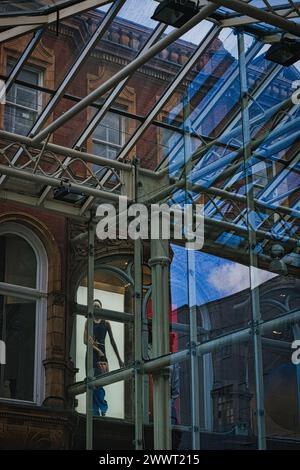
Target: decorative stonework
[34, 428]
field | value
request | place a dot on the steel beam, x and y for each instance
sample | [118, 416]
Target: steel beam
[13, 33]
[260, 15]
[236, 337]
[83, 56]
[194, 360]
[260, 88]
[23, 24]
[245, 20]
[226, 136]
[59, 208]
[234, 155]
[113, 315]
[22, 59]
[55, 183]
[21, 291]
[58, 149]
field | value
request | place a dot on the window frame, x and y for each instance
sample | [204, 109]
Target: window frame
[108, 144]
[14, 104]
[39, 295]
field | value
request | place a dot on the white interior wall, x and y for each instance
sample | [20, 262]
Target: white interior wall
[114, 392]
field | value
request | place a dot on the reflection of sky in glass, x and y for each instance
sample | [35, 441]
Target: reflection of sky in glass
[216, 277]
[138, 12]
[133, 12]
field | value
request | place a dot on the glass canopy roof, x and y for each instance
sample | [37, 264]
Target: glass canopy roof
[210, 83]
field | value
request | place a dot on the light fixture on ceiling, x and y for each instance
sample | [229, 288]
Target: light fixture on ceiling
[176, 12]
[277, 332]
[68, 194]
[277, 265]
[285, 52]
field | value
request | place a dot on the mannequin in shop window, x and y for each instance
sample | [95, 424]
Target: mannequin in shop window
[100, 363]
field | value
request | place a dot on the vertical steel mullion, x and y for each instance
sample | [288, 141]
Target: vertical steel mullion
[90, 310]
[219, 93]
[98, 34]
[227, 83]
[138, 375]
[296, 332]
[3, 337]
[145, 354]
[263, 84]
[194, 359]
[257, 92]
[191, 288]
[255, 304]
[138, 337]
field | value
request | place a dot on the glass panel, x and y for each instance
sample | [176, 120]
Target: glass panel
[281, 382]
[233, 397]
[115, 406]
[219, 62]
[165, 66]
[18, 263]
[17, 326]
[180, 403]
[123, 40]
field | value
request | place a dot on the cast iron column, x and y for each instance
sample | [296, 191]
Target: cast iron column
[159, 263]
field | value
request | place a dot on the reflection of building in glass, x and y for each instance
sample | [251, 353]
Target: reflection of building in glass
[43, 275]
[232, 373]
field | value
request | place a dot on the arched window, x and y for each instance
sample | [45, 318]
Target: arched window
[23, 289]
[113, 286]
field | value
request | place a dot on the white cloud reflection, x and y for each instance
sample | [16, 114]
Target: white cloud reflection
[230, 278]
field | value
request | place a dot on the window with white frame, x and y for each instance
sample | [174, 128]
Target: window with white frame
[108, 137]
[23, 102]
[23, 287]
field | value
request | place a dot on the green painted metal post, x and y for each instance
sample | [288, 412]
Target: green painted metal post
[90, 309]
[138, 336]
[255, 304]
[159, 263]
[192, 297]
